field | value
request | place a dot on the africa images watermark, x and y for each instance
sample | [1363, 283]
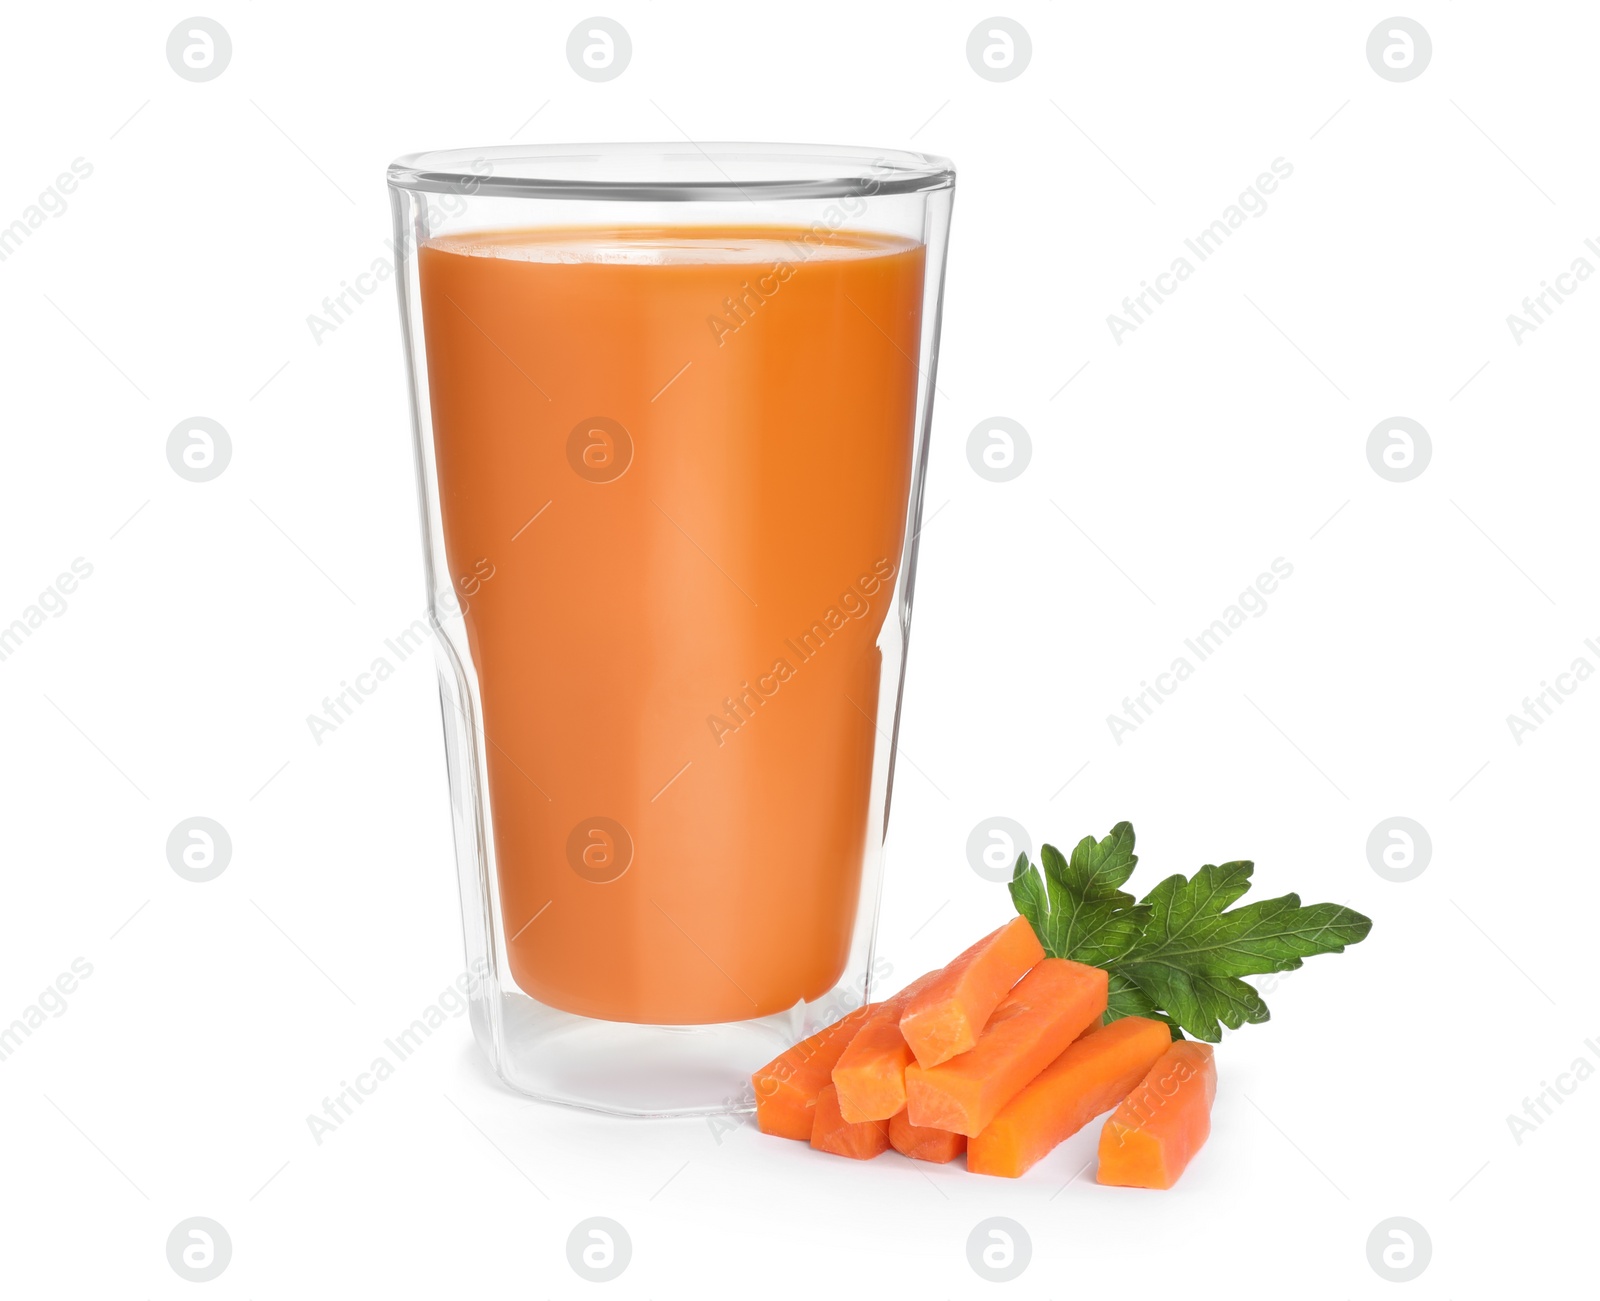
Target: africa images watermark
[337, 309]
[1539, 1108]
[1539, 708]
[1251, 603]
[340, 707]
[450, 1005]
[1538, 308]
[853, 603]
[51, 1003]
[1252, 202]
[52, 202]
[741, 308]
[51, 602]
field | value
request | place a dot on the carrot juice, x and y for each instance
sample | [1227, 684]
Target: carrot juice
[673, 467]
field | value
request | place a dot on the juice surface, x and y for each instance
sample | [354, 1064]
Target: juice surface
[711, 432]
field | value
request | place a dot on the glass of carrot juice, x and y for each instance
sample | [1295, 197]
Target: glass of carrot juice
[671, 407]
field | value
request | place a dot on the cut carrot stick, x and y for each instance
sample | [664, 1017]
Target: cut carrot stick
[1047, 1010]
[921, 1143]
[787, 1086]
[831, 1132]
[1091, 1077]
[947, 1017]
[871, 1073]
[1158, 1128]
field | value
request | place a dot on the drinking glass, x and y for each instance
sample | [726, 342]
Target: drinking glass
[671, 407]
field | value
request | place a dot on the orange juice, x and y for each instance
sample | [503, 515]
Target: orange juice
[673, 469]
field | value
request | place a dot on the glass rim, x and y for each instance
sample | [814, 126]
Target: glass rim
[677, 171]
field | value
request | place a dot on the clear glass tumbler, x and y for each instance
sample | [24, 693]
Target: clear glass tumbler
[671, 406]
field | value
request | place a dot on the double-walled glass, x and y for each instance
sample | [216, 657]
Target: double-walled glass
[671, 407]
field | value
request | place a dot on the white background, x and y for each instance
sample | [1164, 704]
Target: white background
[177, 681]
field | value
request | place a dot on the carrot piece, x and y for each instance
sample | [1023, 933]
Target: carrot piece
[947, 1017]
[831, 1132]
[922, 1143]
[1047, 1010]
[1092, 1076]
[787, 1086]
[871, 1073]
[1159, 1127]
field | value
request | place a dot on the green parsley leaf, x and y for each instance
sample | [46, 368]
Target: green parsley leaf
[1075, 905]
[1127, 999]
[1189, 925]
[1178, 954]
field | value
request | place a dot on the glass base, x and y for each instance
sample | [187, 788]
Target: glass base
[623, 1069]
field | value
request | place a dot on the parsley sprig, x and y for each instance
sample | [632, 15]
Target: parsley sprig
[1178, 954]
